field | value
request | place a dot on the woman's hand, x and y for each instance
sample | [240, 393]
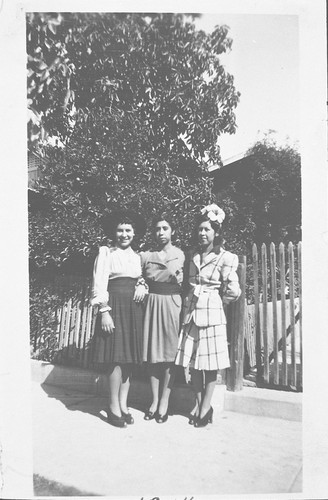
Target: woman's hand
[139, 293]
[107, 323]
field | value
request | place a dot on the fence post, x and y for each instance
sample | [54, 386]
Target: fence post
[258, 334]
[299, 264]
[266, 372]
[235, 318]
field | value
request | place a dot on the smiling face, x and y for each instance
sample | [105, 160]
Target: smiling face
[124, 235]
[163, 232]
[206, 234]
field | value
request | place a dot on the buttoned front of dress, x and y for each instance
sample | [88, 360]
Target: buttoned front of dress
[217, 272]
[162, 311]
[165, 270]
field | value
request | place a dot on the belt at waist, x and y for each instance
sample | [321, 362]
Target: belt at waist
[164, 288]
[121, 284]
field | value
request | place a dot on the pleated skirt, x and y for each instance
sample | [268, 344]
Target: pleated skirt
[161, 328]
[124, 345]
[203, 348]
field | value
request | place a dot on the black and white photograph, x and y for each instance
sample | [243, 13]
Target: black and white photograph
[164, 251]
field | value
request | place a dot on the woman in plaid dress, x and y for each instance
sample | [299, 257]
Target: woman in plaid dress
[203, 339]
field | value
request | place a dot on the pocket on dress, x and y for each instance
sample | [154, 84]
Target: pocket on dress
[177, 301]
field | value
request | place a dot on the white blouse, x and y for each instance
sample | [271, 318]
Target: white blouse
[112, 263]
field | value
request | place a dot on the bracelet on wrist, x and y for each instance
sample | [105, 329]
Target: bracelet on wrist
[104, 309]
[142, 281]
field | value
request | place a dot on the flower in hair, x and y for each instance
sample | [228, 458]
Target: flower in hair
[214, 213]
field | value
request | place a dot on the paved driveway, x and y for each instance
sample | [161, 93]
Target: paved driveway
[238, 454]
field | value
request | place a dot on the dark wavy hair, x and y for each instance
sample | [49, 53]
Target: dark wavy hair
[219, 239]
[111, 221]
[163, 216]
[123, 220]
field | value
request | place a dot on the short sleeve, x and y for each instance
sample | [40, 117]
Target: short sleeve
[180, 273]
[230, 281]
[143, 258]
[100, 277]
[182, 258]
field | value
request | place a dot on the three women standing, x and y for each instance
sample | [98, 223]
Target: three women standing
[124, 337]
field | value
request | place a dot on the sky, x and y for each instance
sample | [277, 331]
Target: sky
[264, 61]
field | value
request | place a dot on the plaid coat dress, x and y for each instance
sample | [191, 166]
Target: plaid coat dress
[203, 339]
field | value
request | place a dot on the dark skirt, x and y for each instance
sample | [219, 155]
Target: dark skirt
[124, 345]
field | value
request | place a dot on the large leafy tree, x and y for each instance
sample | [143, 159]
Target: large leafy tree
[137, 101]
[156, 66]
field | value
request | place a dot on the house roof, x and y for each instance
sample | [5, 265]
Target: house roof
[230, 160]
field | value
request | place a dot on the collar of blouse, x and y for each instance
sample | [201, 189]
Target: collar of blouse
[210, 257]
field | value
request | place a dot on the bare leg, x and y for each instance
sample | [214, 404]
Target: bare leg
[125, 386]
[167, 380]
[210, 382]
[195, 410]
[154, 384]
[198, 386]
[114, 383]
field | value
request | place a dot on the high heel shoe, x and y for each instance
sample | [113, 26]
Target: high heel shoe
[128, 418]
[114, 420]
[192, 419]
[207, 419]
[161, 419]
[150, 415]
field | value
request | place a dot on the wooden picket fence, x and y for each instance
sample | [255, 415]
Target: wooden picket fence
[269, 329]
[273, 326]
[76, 318]
[75, 324]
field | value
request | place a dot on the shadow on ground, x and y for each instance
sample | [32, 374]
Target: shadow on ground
[76, 394]
[47, 488]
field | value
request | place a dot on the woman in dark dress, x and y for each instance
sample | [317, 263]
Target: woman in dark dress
[118, 291]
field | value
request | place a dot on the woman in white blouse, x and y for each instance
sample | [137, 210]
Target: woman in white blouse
[203, 339]
[118, 291]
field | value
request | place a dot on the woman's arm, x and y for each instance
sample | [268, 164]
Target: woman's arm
[99, 295]
[99, 289]
[179, 268]
[141, 288]
[107, 323]
[231, 289]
